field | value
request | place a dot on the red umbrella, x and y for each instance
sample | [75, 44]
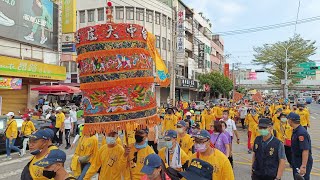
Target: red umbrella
[57, 88]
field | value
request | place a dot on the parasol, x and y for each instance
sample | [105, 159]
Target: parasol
[57, 89]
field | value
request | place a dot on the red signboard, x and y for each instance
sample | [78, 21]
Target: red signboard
[226, 70]
[252, 76]
[206, 88]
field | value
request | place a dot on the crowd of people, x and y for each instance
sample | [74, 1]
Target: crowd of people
[196, 144]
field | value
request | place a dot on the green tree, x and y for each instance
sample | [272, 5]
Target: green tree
[219, 84]
[272, 57]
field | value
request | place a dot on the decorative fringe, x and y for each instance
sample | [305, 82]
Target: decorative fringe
[115, 83]
[129, 125]
[113, 52]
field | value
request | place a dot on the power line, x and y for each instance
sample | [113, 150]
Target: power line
[295, 26]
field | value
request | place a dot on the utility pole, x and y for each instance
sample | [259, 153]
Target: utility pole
[174, 56]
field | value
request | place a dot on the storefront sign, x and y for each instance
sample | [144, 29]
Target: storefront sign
[31, 69]
[226, 70]
[69, 16]
[206, 88]
[201, 55]
[189, 83]
[10, 83]
[181, 32]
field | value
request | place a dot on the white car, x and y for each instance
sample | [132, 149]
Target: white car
[301, 101]
[200, 105]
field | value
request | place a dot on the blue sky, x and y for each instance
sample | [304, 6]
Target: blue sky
[227, 15]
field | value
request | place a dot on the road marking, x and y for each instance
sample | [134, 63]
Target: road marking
[313, 117]
[249, 160]
[287, 169]
[4, 163]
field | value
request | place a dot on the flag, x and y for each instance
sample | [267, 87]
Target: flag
[163, 77]
[237, 97]
[257, 97]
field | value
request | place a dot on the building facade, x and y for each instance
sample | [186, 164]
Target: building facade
[29, 52]
[217, 57]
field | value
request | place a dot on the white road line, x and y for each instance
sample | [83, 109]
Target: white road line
[313, 117]
[19, 160]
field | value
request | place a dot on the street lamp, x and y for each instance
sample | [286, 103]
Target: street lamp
[286, 48]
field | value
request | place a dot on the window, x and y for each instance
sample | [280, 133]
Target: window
[169, 23]
[164, 43]
[164, 20]
[149, 16]
[90, 15]
[140, 14]
[158, 42]
[101, 14]
[157, 18]
[66, 64]
[119, 13]
[169, 45]
[73, 66]
[82, 16]
[129, 13]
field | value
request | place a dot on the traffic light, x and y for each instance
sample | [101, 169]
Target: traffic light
[314, 67]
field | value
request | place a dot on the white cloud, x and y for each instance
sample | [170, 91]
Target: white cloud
[230, 7]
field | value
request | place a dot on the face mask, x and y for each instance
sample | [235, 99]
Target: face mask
[168, 144]
[111, 140]
[49, 174]
[180, 130]
[169, 112]
[284, 119]
[200, 147]
[138, 138]
[300, 109]
[137, 146]
[35, 152]
[264, 132]
[188, 117]
[294, 108]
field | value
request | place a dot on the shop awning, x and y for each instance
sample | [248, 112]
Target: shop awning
[57, 89]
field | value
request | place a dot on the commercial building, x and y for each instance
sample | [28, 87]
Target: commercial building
[217, 56]
[29, 46]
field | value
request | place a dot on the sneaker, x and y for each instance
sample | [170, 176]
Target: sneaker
[4, 20]
[29, 38]
[8, 158]
[43, 40]
[21, 154]
[67, 147]
[249, 151]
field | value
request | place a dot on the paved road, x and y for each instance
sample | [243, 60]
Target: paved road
[11, 170]
[242, 166]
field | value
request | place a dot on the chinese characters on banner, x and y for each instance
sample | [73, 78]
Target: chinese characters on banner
[201, 55]
[181, 33]
[237, 97]
[257, 97]
[226, 70]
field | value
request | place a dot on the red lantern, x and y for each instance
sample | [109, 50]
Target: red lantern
[109, 4]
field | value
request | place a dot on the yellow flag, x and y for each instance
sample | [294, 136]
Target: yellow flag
[163, 77]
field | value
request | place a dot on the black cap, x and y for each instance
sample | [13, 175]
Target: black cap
[265, 122]
[199, 170]
[293, 117]
[300, 105]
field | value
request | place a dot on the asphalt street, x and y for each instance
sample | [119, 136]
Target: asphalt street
[12, 169]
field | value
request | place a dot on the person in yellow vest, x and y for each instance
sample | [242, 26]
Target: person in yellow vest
[185, 105]
[60, 117]
[170, 121]
[276, 115]
[285, 109]
[198, 119]
[304, 116]
[278, 106]
[252, 119]
[172, 154]
[284, 133]
[54, 166]
[207, 153]
[136, 154]
[40, 145]
[153, 137]
[26, 130]
[11, 133]
[177, 114]
[219, 112]
[85, 154]
[185, 140]
[110, 160]
[208, 118]
[254, 133]
[294, 108]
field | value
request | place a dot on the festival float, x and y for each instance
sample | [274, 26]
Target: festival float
[117, 79]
